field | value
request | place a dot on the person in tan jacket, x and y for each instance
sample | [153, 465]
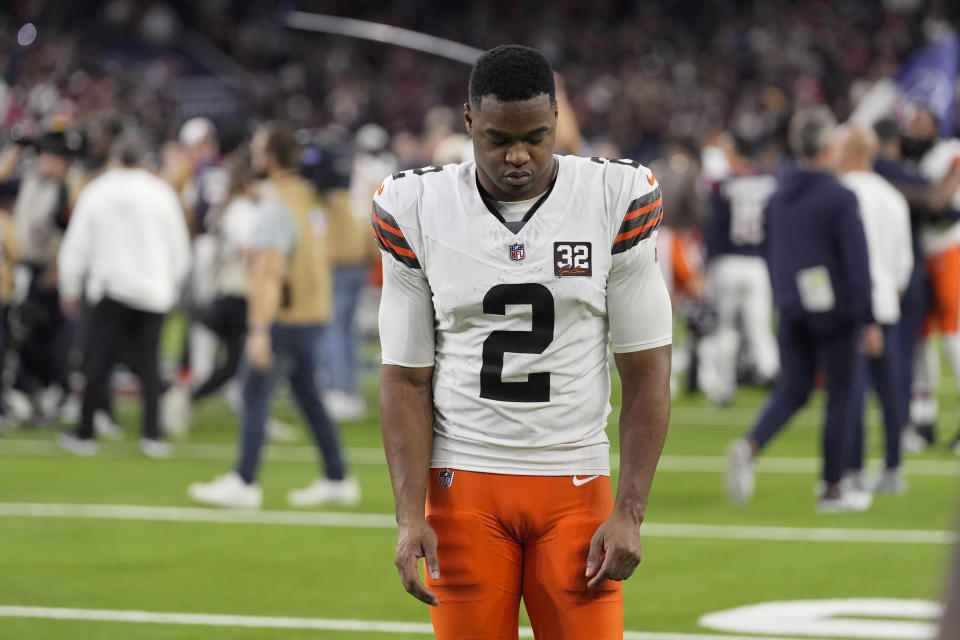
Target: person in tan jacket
[288, 309]
[9, 255]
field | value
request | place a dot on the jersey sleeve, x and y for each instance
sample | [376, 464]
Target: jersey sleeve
[640, 212]
[638, 303]
[406, 318]
[390, 233]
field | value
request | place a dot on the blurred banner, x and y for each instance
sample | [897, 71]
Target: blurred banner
[929, 78]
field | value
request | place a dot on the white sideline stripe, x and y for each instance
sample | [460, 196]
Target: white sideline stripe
[324, 624]
[386, 521]
[374, 456]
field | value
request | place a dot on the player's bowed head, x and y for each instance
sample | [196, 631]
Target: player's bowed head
[511, 112]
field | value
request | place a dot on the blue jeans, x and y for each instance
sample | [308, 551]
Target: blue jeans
[801, 350]
[885, 375]
[296, 356]
[340, 344]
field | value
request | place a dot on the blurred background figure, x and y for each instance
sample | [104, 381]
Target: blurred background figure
[738, 282]
[352, 252]
[289, 307]
[9, 255]
[128, 246]
[819, 269]
[43, 335]
[886, 223]
[938, 161]
[204, 195]
[680, 249]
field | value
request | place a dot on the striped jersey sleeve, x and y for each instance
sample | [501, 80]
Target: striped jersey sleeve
[642, 216]
[388, 233]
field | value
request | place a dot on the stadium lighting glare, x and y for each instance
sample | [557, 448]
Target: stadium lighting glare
[26, 35]
[387, 34]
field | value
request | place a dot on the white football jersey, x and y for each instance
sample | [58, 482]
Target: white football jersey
[939, 236]
[516, 325]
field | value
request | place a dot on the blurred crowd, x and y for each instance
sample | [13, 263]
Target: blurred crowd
[705, 98]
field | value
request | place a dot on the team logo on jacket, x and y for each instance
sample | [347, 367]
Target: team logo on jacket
[516, 252]
[572, 259]
[445, 481]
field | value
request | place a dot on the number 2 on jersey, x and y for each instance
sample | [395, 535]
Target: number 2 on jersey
[537, 386]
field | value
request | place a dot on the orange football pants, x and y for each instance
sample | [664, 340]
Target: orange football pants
[503, 537]
[943, 313]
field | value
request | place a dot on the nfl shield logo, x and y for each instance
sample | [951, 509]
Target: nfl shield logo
[446, 479]
[516, 252]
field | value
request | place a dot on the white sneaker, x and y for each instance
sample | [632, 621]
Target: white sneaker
[740, 480]
[849, 501]
[105, 427]
[70, 409]
[155, 448]
[228, 490]
[77, 446]
[853, 481]
[890, 481]
[175, 412]
[344, 407]
[912, 441]
[324, 491]
[280, 431]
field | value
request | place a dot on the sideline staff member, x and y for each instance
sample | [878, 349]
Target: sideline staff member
[128, 243]
[288, 307]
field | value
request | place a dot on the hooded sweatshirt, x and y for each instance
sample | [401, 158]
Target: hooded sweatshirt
[817, 253]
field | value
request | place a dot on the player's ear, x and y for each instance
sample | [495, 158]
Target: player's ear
[468, 117]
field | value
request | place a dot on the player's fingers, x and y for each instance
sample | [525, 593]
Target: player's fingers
[594, 555]
[410, 577]
[429, 546]
[602, 575]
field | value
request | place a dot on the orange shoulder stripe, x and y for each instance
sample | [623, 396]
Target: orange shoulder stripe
[626, 235]
[642, 210]
[386, 226]
[400, 250]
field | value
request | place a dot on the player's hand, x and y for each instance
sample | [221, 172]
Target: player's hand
[259, 349]
[417, 541]
[873, 341]
[615, 550]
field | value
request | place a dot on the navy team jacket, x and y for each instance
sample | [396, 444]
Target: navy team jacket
[812, 220]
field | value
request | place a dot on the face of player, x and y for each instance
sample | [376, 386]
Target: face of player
[513, 143]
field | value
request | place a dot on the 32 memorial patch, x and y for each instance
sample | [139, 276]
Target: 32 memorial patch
[572, 259]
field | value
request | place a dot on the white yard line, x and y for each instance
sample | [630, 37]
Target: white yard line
[374, 456]
[319, 624]
[386, 521]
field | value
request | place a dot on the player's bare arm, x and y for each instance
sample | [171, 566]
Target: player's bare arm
[406, 423]
[615, 548]
[266, 281]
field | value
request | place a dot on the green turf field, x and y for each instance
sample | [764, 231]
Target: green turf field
[317, 573]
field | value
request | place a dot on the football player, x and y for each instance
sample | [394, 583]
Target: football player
[504, 281]
[738, 280]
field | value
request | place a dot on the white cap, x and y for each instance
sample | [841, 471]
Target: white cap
[196, 130]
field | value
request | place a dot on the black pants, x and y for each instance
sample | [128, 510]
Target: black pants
[227, 317]
[115, 328]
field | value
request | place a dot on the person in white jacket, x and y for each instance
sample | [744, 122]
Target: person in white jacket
[128, 246]
[886, 223]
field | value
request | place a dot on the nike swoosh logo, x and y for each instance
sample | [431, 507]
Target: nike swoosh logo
[651, 178]
[582, 481]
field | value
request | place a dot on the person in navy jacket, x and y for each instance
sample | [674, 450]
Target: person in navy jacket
[816, 251]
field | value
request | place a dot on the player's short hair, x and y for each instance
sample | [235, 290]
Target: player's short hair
[887, 131]
[282, 143]
[130, 149]
[810, 131]
[511, 73]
